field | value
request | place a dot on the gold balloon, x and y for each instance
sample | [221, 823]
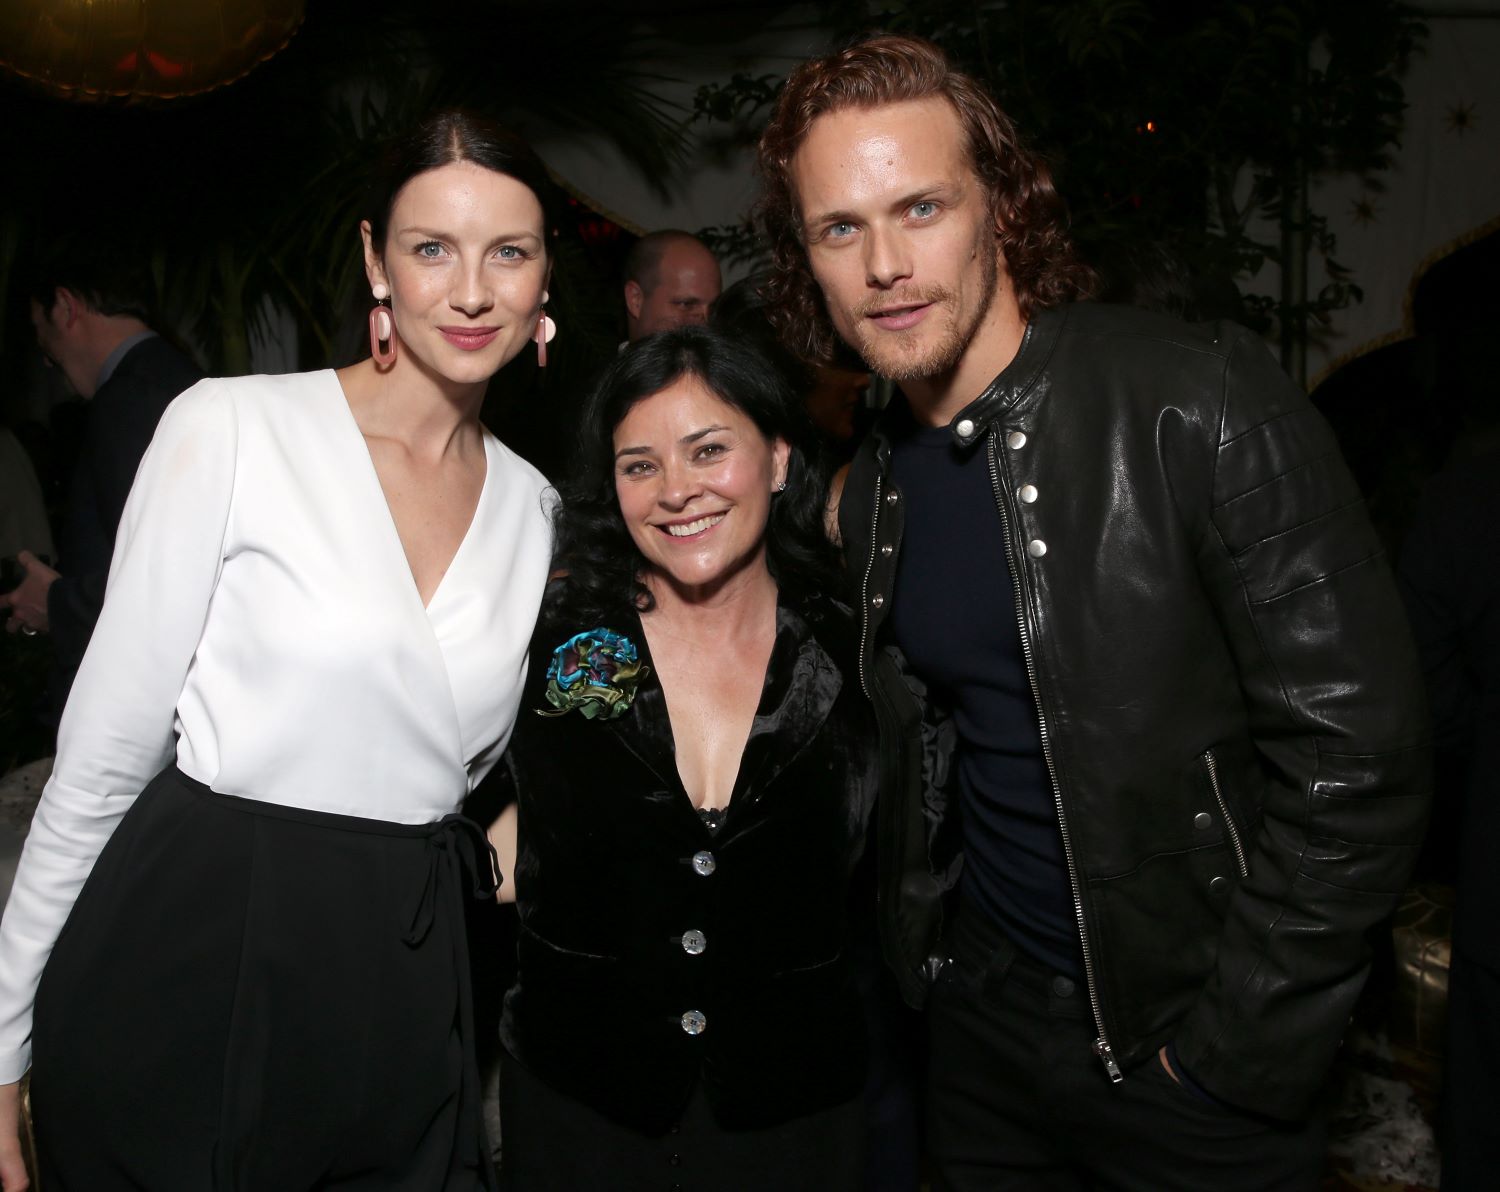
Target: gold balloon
[141, 49]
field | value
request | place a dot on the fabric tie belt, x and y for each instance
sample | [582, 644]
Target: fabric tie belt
[459, 855]
[458, 849]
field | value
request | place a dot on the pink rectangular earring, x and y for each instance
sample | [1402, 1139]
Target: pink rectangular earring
[546, 329]
[382, 327]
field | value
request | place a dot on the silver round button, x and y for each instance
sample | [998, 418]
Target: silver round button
[1203, 820]
[1219, 885]
[704, 863]
[693, 942]
[892, 497]
[694, 1022]
[887, 550]
[1015, 440]
[1036, 548]
[1027, 493]
[965, 428]
[877, 600]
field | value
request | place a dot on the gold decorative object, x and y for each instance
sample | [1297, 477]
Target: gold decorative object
[1422, 935]
[141, 49]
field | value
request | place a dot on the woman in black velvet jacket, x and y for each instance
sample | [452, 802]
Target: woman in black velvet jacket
[692, 776]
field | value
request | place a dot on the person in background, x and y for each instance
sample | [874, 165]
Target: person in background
[23, 513]
[836, 402]
[1185, 761]
[834, 393]
[234, 955]
[671, 280]
[91, 310]
[693, 771]
[1449, 571]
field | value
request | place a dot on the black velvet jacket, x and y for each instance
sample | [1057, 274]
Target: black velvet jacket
[616, 870]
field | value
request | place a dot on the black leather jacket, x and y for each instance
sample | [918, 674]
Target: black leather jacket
[1230, 706]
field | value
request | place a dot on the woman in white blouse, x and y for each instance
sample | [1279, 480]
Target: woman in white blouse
[239, 916]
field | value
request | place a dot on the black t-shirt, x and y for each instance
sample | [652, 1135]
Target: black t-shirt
[953, 615]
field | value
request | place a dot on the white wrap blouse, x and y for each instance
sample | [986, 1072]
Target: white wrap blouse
[262, 623]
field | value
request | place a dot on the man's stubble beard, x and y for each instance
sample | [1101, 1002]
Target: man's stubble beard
[897, 355]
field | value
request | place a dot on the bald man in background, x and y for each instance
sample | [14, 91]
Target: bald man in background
[671, 280]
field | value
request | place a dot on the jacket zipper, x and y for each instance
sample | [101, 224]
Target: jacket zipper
[1102, 1049]
[864, 588]
[1234, 832]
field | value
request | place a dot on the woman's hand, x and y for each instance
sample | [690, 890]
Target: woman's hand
[13, 1176]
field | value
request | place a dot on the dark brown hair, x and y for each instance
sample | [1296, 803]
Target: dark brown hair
[1030, 217]
[594, 547]
[452, 136]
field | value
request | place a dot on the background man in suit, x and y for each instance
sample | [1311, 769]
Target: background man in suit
[92, 320]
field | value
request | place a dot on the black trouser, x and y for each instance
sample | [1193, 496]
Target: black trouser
[1017, 1100]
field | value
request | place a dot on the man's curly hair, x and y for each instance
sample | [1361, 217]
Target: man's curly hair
[1029, 216]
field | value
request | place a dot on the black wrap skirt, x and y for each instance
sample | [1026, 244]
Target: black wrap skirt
[255, 997]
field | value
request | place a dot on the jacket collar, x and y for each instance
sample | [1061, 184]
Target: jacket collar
[1004, 393]
[802, 684]
[113, 361]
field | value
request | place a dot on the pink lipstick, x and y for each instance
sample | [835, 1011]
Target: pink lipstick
[470, 339]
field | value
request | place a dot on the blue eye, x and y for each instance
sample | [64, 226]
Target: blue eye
[509, 252]
[841, 229]
[430, 249]
[924, 210]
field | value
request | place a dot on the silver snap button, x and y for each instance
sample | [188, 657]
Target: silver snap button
[1015, 440]
[694, 1022]
[693, 942]
[1203, 820]
[887, 550]
[704, 863]
[1219, 885]
[892, 497]
[1036, 548]
[965, 428]
[877, 600]
[1027, 493]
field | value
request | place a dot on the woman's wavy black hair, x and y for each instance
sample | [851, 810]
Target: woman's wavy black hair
[594, 549]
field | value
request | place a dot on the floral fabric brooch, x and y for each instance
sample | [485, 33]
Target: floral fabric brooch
[596, 672]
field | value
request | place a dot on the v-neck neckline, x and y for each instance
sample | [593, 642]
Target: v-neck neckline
[390, 518]
[775, 738]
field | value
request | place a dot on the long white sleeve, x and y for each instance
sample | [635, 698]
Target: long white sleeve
[261, 611]
[117, 730]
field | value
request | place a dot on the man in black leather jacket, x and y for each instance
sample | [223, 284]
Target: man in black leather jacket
[1152, 730]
